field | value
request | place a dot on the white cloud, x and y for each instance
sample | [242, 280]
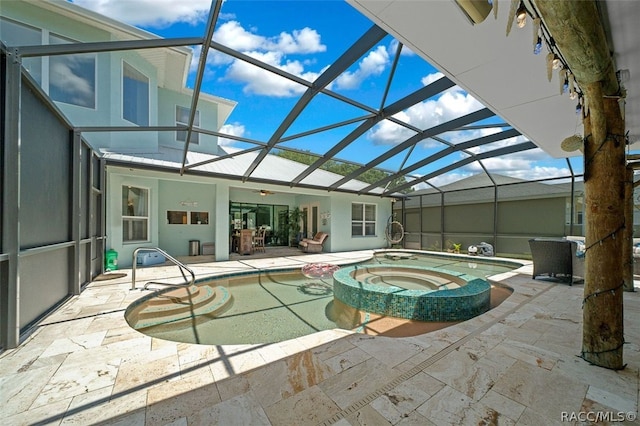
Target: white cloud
[272, 51]
[451, 104]
[76, 88]
[393, 46]
[150, 13]
[258, 81]
[521, 168]
[233, 129]
[233, 35]
[427, 80]
[445, 179]
[520, 165]
[373, 64]
[305, 40]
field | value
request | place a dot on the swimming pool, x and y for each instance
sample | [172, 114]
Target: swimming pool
[274, 305]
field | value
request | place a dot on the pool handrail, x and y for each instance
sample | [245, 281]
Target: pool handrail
[179, 264]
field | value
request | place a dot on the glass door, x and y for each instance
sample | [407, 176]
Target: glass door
[273, 218]
[310, 219]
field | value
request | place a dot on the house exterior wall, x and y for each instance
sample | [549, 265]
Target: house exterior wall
[167, 102]
[340, 223]
[179, 196]
[115, 181]
[168, 192]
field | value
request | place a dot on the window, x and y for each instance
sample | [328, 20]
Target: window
[363, 219]
[15, 34]
[182, 117]
[135, 214]
[72, 78]
[135, 96]
[199, 218]
[176, 217]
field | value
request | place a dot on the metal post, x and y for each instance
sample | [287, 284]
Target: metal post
[10, 282]
[573, 194]
[442, 221]
[76, 210]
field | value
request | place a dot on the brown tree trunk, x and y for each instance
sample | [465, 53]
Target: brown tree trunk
[604, 176]
[627, 241]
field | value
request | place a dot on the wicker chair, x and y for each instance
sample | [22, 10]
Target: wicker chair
[555, 258]
[313, 245]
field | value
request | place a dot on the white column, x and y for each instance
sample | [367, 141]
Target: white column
[222, 221]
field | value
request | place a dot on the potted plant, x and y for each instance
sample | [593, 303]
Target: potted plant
[295, 216]
[454, 247]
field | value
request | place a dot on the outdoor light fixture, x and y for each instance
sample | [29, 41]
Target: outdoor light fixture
[521, 16]
[537, 48]
[519, 9]
[623, 75]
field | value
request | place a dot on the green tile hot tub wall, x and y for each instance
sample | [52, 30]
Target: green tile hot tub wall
[468, 301]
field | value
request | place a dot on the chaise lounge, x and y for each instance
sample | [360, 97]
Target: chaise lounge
[313, 245]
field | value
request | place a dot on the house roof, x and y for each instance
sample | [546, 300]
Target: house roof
[272, 169]
[481, 188]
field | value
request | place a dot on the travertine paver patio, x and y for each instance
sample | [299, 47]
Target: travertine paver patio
[516, 364]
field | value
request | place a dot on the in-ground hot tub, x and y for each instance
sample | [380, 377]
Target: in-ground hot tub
[412, 292]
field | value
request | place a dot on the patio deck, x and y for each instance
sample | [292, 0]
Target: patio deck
[516, 364]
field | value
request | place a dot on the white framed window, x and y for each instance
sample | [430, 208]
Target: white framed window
[363, 220]
[135, 96]
[182, 117]
[135, 214]
[72, 78]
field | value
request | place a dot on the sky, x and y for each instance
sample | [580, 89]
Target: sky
[303, 38]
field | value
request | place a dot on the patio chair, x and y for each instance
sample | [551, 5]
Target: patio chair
[258, 239]
[315, 244]
[555, 258]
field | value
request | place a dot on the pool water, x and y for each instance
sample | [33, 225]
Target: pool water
[269, 307]
[266, 308]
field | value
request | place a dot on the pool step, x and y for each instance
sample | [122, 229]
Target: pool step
[180, 304]
[182, 295]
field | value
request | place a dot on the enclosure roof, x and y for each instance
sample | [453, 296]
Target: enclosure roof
[471, 57]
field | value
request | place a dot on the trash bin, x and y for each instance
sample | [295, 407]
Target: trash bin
[111, 260]
[194, 247]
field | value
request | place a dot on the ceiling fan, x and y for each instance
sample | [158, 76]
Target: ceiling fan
[264, 192]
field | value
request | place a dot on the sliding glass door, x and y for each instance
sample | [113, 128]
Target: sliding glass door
[273, 218]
